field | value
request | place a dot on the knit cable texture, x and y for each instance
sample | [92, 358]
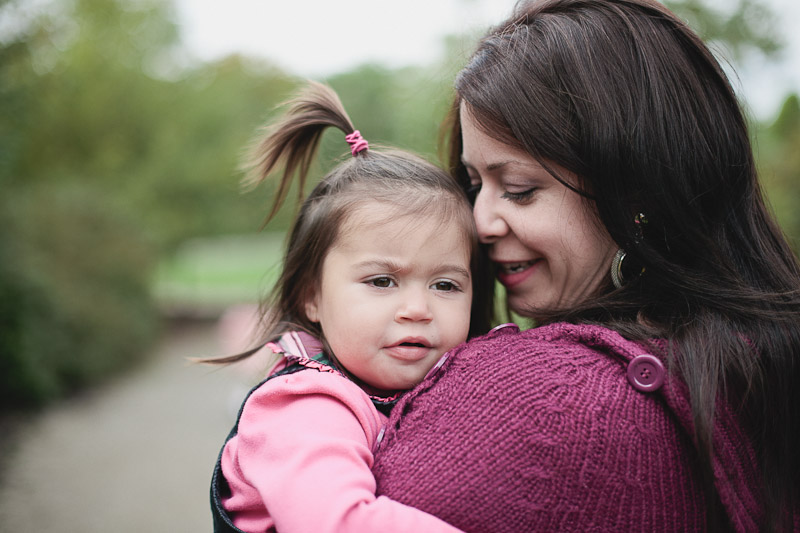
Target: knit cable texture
[541, 431]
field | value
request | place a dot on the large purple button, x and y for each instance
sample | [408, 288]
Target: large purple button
[646, 373]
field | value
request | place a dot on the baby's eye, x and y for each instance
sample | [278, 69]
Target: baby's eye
[445, 285]
[381, 282]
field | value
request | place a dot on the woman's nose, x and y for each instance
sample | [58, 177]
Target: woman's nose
[414, 306]
[490, 224]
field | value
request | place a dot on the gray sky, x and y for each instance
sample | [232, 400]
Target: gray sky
[315, 38]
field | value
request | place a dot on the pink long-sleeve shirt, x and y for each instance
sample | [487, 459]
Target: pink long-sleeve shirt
[302, 459]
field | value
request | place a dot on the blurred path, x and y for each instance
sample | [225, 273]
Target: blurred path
[134, 456]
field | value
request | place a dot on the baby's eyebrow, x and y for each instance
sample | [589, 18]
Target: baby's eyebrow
[458, 269]
[380, 264]
[392, 267]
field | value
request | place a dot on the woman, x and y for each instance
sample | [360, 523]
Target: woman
[614, 185]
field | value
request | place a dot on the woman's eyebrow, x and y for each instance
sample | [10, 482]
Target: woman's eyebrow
[494, 166]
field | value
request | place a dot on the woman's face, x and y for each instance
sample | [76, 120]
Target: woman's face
[549, 248]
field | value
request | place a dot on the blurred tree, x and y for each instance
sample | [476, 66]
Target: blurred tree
[112, 151]
[189, 184]
[75, 303]
[93, 104]
[114, 108]
[743, 27]
[779, 162]
[74, 293]
[744, 34]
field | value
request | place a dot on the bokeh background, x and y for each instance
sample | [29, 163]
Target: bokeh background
[127, 244]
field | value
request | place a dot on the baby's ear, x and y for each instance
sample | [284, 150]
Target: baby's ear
[312, 312]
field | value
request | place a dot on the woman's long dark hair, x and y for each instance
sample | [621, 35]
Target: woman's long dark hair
[624, 95]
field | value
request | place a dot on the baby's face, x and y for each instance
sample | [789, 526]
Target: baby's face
[395, 295]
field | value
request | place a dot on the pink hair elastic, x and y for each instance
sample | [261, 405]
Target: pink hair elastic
[357, 142]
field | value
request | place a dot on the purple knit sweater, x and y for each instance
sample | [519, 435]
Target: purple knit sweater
[543, 430]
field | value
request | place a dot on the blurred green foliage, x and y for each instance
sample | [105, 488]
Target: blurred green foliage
[208, 274]
[744, 27]
[779, 149]
[115, 152]
[74, 294]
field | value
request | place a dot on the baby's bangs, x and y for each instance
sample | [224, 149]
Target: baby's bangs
[420, 207]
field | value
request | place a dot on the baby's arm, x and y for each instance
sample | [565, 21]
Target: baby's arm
[304, 445]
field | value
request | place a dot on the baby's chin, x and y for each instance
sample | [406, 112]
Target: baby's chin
[389, 388]
[381, 392]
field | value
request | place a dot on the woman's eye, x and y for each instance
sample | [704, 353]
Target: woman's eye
[444, 285]
[472, 192]
[382, 282]
[520, 197]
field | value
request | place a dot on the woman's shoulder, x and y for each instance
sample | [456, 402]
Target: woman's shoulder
[558, 332]
[581, 371]
[557, 407]
[586, 364]
[550, 346]
[580, 384]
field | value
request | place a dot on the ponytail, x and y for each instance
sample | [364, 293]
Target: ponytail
[292, 142]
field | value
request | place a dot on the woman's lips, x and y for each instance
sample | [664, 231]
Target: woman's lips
[514, 273]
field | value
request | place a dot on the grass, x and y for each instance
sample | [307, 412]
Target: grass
[205, 276]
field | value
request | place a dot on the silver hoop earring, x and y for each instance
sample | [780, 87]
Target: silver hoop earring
[617, 264]
[616, 268]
